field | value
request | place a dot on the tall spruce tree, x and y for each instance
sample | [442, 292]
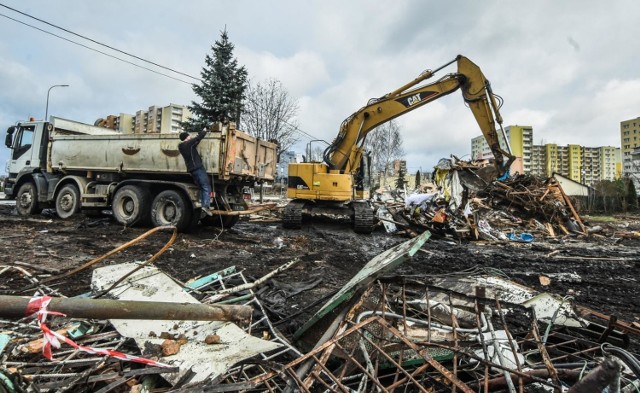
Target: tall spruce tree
[222, 89]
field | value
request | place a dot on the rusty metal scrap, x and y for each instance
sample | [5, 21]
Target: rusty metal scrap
[388, 333]
[405, 334]
[495, 210]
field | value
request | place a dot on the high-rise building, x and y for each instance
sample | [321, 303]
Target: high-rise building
[156, 119]
[630, 140]
[634, 172]
[122, 123]
[586, 165]
[610, 163]
[519, 142]
[161, 119]
[538, 163]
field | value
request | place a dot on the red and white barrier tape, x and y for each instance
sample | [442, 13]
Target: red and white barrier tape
[38, 306]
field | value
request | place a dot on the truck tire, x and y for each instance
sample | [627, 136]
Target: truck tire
[131, 205]
[68, 201]
[170, 207]
[27, 200]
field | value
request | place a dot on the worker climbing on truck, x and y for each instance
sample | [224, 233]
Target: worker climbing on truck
[193, 161]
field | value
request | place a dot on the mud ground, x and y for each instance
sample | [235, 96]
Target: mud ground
[601, 272]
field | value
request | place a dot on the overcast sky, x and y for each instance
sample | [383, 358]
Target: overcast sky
[569, 69]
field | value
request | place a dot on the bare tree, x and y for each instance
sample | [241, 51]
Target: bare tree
[385, 145]
[269, 114]
[316, 154]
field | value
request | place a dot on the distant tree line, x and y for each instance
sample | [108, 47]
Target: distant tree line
[616, 196]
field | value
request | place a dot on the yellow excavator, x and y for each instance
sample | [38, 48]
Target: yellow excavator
[340, 184]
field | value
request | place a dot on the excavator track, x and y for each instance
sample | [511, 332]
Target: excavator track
[293, 215]
[362, 217]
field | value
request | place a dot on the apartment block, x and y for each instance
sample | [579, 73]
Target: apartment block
[610, 163]
[161, 119]
[630, 141]
[538, 164]
[586, 165]
[634, 172]
[519, 141]
[154, 120]
[122, 123]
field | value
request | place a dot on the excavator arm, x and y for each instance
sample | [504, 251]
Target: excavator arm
[339, 186]
[345, 152]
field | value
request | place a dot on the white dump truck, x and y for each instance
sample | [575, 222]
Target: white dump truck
[75, 167]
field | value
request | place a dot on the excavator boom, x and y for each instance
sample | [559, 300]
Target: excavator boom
[345, 151]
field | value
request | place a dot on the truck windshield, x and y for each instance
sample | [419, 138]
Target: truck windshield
[26, 140]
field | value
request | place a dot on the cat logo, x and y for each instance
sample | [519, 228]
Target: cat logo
[414, 99]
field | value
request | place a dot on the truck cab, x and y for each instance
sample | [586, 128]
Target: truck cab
[27, 144]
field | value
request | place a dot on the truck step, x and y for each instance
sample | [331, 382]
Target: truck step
[94, 200]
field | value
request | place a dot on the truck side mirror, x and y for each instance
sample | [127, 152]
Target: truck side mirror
[8, 141]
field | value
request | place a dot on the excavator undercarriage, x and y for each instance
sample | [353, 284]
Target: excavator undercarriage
[360, 212]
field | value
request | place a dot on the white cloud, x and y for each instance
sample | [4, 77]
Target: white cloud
[302, 73]
[567, 68]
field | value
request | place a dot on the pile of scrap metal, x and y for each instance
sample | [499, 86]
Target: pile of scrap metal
[469, 331]
[151, 333]
[468, 204]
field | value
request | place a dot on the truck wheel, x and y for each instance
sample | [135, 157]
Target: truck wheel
[170, 207]
[68, 201]
[131, 206]
[27, 200]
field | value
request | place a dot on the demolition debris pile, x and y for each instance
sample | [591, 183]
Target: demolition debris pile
[465, 205]
[471, 330]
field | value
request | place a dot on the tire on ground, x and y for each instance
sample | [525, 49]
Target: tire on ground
[27, 200]
[131, 205]
[171, 207]
[68, 201]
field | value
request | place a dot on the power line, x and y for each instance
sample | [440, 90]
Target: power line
[99, 43]
[295, 128]
[93, 49]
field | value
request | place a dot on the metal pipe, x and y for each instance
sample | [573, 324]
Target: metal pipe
[432, 325]
[498, 350]
[18, 307]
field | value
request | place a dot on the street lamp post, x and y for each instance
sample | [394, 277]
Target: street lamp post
[46, 111]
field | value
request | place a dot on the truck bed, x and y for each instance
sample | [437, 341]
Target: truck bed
[226, 153]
